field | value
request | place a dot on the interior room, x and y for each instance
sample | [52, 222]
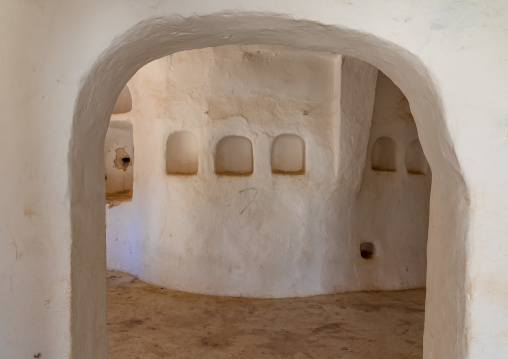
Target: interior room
[320, 184]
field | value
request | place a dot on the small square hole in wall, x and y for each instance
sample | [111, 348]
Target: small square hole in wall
[233, 156]
[288, 155]
[367, 250]
[182, 154]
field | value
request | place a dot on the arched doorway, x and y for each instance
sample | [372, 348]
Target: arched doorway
[155, 38]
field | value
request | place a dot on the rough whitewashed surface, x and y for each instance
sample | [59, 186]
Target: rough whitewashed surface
[269, 235]
[65, 63]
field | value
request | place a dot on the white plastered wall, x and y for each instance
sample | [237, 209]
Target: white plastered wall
[266, 234]
[392, 206]
[235, 235]
[449, 58]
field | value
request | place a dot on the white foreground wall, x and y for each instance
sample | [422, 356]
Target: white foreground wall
[64, 64]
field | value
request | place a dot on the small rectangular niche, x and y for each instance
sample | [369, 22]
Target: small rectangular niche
[233, 156]
[182, 154]
[288, 155]
[124, 102]
[416, 163]
[383, 155]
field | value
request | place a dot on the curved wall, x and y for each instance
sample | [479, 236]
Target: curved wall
[251, 234]
[258, 233]
[392, 206]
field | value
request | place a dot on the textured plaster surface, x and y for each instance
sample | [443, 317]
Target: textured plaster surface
[64, 64]
[268, 235]
[392, 207]
[261, 235]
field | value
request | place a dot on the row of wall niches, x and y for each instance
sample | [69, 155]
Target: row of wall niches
[384, 157]
[234, 155]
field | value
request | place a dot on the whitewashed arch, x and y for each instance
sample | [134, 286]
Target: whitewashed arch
[157, 37]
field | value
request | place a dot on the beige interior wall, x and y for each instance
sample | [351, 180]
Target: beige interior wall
[393, 205]
[258, 233]
[249, 234]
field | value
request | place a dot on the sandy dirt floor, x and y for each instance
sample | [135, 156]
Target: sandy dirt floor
[147, 322]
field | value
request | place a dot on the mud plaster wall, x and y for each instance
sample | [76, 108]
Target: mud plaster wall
[265, 234]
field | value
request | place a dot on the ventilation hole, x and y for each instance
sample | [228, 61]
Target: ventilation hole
[288, 155]
[416, 163]
[122, 160]
[124, 102]
[383, 155]
[233, 156]
[119, 162]
[119, 184]
[367, 250]
[182, 154]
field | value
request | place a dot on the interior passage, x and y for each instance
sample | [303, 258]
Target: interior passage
[148, 321]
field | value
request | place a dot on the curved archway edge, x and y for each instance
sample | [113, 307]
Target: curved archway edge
[157, 37]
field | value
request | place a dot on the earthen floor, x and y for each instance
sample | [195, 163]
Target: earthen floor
[147, 321]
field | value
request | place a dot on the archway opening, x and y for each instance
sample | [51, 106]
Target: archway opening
[225, 229]
[87, 191]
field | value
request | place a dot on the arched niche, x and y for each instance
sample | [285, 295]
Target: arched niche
[288, 155]
[416, 163]
[182, 154]
[383, 155]
[151, 38]
[123, 103]
[233, 156]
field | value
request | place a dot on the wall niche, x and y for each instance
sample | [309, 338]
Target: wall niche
[124, 102]
[383, 155]
[233, 156]
[416, 163]
[288, 155]
[182, 154]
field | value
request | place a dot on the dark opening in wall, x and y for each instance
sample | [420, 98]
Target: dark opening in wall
[233, 156]
[416, 163]
[288, 155]
[119, 162]
[182, 154]
[122, 160]
[383, 155]
[367, 250]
